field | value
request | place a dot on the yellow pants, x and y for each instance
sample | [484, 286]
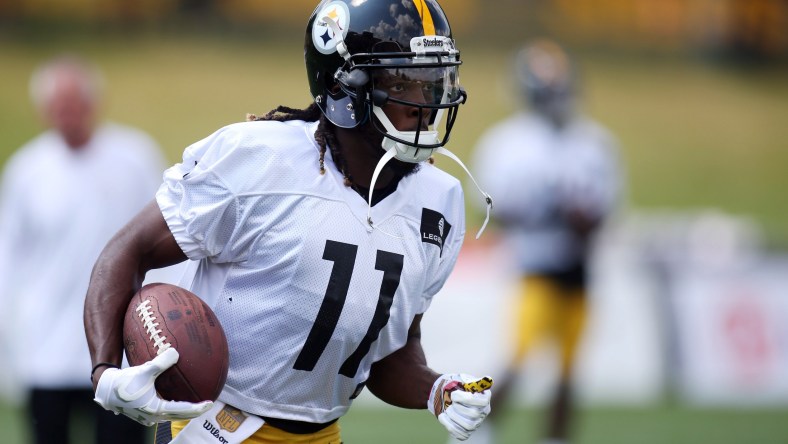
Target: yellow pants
[271, 435]
[546, 310]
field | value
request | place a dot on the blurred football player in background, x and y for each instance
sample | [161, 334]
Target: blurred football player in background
[320, 237]
[556, 178]
[64, 194]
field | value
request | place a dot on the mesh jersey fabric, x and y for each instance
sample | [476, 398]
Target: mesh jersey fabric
[308, 294]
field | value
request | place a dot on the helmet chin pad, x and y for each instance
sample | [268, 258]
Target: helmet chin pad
[405, 151]
[408, 153]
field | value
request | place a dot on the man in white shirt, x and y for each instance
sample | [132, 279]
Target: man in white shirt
[64, 194]
[556, 179]
[319, 237]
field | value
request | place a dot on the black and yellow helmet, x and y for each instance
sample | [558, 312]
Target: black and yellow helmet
[352, 46]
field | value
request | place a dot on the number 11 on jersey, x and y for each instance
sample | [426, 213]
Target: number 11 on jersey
[344, 258]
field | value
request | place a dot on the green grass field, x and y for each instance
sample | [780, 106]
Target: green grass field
[644, 425]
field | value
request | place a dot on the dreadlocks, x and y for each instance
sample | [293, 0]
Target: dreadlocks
[324, 135]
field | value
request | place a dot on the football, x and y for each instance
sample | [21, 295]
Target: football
[164, 315]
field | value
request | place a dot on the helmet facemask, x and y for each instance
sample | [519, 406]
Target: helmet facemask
[424, 79]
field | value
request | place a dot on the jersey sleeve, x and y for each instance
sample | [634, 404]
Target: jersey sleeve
[447, 259]
[199, 206]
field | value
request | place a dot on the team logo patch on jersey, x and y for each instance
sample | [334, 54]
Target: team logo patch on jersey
[230, 418]
[434, 228]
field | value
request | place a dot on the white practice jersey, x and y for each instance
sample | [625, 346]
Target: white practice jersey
[533, 170]
[308, 294]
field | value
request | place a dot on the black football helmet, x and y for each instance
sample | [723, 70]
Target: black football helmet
[358, 54]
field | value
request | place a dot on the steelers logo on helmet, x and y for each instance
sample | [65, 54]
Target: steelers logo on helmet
[323, 34]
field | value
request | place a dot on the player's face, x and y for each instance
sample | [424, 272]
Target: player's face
[404, 117]
[410, 89]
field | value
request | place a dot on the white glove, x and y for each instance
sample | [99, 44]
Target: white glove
[460, 402]
[131, 391]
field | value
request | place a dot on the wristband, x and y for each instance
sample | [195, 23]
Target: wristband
[101, 364]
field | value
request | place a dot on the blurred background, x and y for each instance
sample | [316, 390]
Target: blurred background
[688, 339]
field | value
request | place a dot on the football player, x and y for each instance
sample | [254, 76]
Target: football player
[319, 236]
[559, 182]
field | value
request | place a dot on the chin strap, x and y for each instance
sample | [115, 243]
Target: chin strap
[487, 198]
[392, 153]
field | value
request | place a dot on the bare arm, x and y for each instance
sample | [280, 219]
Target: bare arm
[403, 378]
[143, 244]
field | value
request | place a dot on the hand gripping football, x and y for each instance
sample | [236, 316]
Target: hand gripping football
[160, 316]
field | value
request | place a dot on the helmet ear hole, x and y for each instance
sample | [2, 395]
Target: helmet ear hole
[331, 86]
